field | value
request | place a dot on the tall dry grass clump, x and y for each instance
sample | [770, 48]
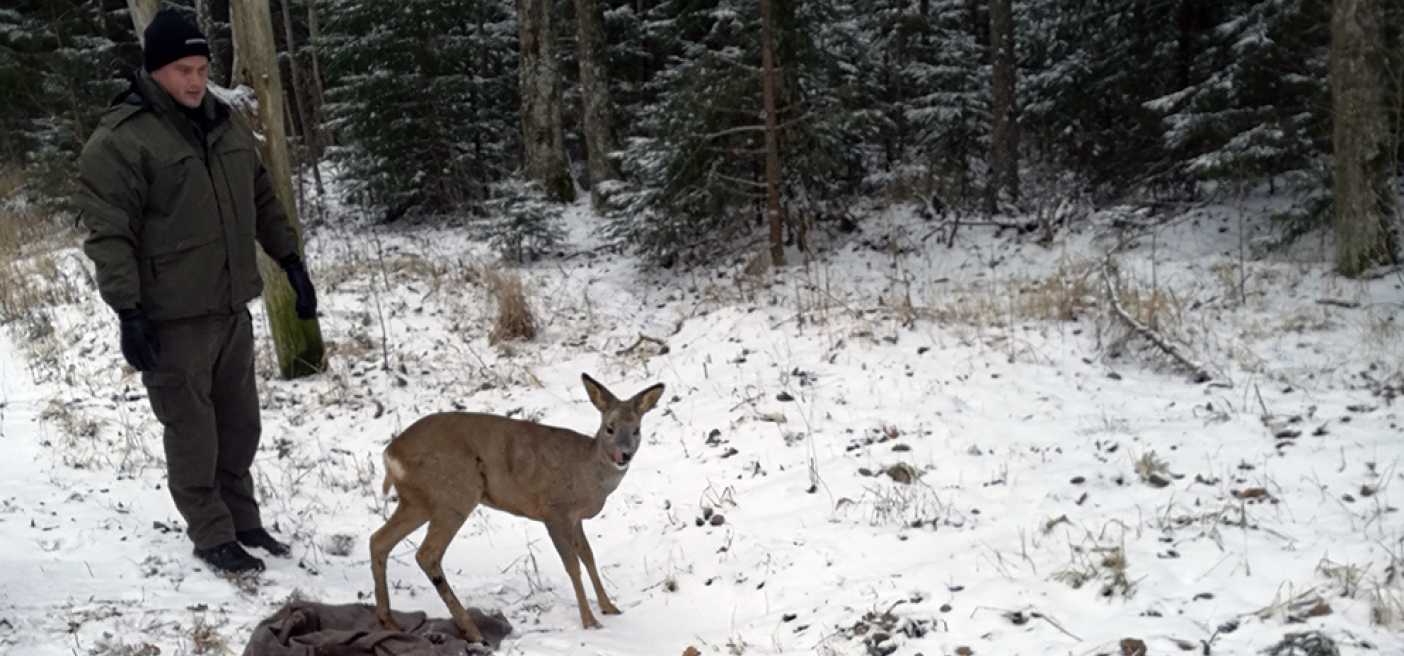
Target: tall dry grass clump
[515, 320]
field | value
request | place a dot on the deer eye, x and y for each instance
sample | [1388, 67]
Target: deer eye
[609, 429]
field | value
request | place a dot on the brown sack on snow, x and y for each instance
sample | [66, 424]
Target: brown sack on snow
[311, 629]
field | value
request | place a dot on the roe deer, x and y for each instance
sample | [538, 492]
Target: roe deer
[446, 464]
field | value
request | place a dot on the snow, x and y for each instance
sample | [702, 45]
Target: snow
[789, 400]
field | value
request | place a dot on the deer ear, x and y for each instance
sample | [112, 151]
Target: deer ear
[645, 400]
[598, 394]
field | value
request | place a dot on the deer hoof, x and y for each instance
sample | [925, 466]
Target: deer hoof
[471, 633]
[388, 622]
[589, 622]
[609, 608]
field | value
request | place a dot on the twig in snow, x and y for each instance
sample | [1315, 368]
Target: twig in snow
[662, 345]
[1019, 617]
[1201, 375]
[1056, 625]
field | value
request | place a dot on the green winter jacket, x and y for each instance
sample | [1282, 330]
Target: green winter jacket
[174, 207]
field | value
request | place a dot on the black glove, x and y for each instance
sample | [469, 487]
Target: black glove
[140, 346]
[302, 286]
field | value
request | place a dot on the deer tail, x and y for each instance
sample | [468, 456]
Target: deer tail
[393, 470]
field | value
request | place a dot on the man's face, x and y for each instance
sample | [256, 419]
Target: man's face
[185, 79]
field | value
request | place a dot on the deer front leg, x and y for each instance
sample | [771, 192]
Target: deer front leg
[562, 534]
[442, 528]
[587, 556]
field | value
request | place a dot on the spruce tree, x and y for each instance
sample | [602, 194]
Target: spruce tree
[422, 96]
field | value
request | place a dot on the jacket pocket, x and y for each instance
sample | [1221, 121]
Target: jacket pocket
[181, 208]
[186, 281]
[169, 176]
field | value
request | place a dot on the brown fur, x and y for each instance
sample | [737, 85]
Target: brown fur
[446, 464]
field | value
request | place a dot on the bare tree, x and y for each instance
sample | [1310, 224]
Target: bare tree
[298, 343]
[1004, 137]
[772, 139]
[321, 136]
[307, 146]
[594, 86]
[205, 15]
[1360, 138]
[142, 13]
[298, 89]
[541, 102]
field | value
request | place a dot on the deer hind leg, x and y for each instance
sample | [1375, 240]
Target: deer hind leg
[443, 525]
[402, 522]
[582, 546]
[563, 536]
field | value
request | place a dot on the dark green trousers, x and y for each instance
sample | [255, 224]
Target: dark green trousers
[204, 393]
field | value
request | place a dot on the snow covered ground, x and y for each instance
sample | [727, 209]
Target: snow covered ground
[901, 448]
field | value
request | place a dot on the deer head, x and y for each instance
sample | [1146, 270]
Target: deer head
[617, 439]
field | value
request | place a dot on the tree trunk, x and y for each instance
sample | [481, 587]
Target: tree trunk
[594, 87]
[772, 143]
[1359, 138]
[142, 13]
[298, 343]
[1004, 132]
[320, 137]
[299, 91]
[204, 14]
[298, 108]
[541, 102]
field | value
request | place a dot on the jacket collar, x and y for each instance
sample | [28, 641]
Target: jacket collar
[145, 91]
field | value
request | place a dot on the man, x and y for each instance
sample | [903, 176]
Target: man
[174, 198]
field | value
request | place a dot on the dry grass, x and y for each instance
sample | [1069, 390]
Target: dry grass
[1067, 295]
[31, 277]
[1159, 308]
[1096, 562]
[515, 320]
[1382, 334]
[25, 229]
[1152, 470]
[1387, 606]
[205, 637]
[1064, 296]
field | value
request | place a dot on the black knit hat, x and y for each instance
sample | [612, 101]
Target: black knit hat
[170, 37]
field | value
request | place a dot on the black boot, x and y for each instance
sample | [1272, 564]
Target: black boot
[229, 558]
[258, 537]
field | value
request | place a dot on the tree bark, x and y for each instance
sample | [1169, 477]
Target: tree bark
[594, 87]
[772, 142]
[1004, 132]
[1360, 139]
[142, 13]
[318, 94]
[204, 15]
[299, 91]
[321, 137]
[541, 102]
[298, 343]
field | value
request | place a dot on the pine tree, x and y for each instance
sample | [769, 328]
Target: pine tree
[1258, 107]
[931, 82]
[1089, 70]
[635, 35]
[57, 67]
[695, 164]
[422, 96]
[520, 221]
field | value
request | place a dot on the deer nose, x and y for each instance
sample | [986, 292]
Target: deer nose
[626, 456]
